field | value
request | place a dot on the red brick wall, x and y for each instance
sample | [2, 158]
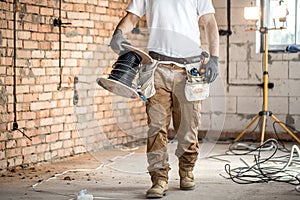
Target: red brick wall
[46, 111]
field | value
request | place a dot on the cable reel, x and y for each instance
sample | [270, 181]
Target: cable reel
[120, 80]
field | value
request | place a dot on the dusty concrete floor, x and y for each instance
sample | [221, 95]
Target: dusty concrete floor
[121, 174]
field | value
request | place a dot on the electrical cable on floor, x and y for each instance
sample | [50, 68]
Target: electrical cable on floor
[112, 161]
[286, 167]
[57, 175]
[268, 169]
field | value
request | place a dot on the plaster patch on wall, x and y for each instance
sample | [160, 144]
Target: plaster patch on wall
[1, 40]
[3, 95]
[22, 72]
[30, 73]
[36, 19]
[290, 120]
[246, 116]
[71, 33]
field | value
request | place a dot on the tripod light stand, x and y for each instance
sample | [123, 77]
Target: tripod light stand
[265, 112]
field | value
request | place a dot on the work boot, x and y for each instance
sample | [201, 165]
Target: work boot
[158, 190]
[187, 181]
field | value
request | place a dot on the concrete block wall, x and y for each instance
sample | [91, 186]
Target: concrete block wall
[59, 106]
[240, 98]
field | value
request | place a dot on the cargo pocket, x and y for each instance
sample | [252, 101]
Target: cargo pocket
[145, 81]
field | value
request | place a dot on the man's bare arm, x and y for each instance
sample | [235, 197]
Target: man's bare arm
[128, 23]
[212, 33]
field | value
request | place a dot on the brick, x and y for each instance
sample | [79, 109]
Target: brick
[44, 96]
[32, 9]
[79, 150]
[44, 45]
[76, 54]
[56, 112]
[101, 10]
[52, 37]
[78, 15]
[28, 81]
[30, 27]
[2, 156]
[56, 145]
[65, 119]
[32, 123]
[64, 135]
[36, 88]
[52, 137]
[56, 128]
[103, 3]
[28, 115]
[11, 153]
[38, 54]
[24, 35]
[11, 144]
[48, 156]
[43, 148]
[37, 140]
[46, 121]
[21, 89]
[78, 8]
[46, 11]
[67, 144]
[24, 53]
[69, 46]
[39, 71]
[28, 150]
[38, 36]
[30, 158]
[69, 127]
[50, 87]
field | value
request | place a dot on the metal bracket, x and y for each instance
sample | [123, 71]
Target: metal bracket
[58, 22]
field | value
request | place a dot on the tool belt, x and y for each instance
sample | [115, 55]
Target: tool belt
[187, 60]
[195, 88]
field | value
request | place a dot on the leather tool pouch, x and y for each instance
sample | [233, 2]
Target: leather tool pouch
[195, 87]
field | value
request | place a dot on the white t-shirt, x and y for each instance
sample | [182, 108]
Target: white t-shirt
[173, 24]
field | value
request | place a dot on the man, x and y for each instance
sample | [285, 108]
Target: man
[174, 42]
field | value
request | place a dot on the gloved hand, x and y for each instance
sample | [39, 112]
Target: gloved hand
[212, 69]
[117, 41]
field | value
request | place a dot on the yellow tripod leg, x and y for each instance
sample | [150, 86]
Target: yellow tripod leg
[285, 128]
[249, 125]
[263, 129]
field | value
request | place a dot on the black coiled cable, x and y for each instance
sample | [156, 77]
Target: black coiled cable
[126, 68]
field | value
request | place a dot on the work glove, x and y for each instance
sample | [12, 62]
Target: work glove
[117, 41]
[212, 69]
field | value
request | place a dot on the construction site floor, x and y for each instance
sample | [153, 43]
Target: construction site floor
[122, 174]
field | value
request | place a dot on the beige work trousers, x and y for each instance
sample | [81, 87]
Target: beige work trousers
[169, 101]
